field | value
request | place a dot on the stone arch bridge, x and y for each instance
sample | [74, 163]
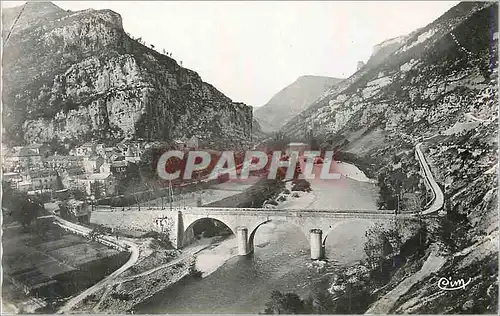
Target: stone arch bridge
[244, 222]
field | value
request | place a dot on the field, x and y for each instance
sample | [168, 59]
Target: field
[47, 262]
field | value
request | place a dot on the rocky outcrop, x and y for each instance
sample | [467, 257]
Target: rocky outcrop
[292, 100]
[78, 75]
[440, 80]
[360, 65]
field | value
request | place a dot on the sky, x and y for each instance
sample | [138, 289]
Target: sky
[250, 50]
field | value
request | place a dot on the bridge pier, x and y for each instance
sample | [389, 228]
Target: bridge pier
[242, 240]
[316, 243]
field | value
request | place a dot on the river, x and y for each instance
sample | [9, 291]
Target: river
[281, 261]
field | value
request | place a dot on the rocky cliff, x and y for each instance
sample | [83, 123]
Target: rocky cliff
[291, 100]
[78, 75]
[441, 81]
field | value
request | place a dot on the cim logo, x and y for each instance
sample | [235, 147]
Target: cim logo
[450, 285]
[176, 165]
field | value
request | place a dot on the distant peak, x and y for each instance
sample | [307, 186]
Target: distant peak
[316, 78]
[45, 7]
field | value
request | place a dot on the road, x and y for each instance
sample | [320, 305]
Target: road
[433, 263]
[132, 247]
[438, 202]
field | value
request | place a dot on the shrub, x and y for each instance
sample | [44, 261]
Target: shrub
[272, 202]
[301, 185]
[284, 303]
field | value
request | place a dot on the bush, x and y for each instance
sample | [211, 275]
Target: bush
[284, 303]
[121, 296]
[195, 272]
[301, 185]
[272, 202]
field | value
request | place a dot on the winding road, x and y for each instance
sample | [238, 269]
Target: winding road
[438, 201]
[124, 244]
[432, 264]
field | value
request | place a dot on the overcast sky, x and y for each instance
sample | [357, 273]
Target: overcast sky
[251, 50]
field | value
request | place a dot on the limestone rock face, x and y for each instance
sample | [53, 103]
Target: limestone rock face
[78, 75]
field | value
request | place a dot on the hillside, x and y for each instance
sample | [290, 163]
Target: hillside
[291, 100]
[440, 80]
[79, 75]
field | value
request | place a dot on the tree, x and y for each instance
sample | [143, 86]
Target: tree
[320, 301]
[287, 303]
[59, 185]
[378, 245]
[97, 188]
[78, 194]
[27, 213]
[23, 209]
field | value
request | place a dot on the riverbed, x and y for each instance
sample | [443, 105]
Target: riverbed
[233, 284]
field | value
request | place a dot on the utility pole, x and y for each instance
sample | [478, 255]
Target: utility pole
[397, 211]
[170, 193]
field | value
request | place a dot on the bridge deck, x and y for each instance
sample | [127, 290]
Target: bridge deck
[326, 213]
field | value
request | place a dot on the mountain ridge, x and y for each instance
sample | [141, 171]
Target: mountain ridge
[292, 99]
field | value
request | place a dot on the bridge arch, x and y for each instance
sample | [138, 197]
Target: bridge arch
[252, 233]
[188, 231]
[370, 222]
[352, 231]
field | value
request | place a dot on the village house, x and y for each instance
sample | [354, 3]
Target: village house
[180, 144]
[23, 158]
[92, 164]
[111, 154]
[71, 209]
[38, 180]
[121, 148]
[105, 168]
[41, 149]
[193, 142]
[131, 155]
[58, 162]
[106, 184]
[78, 210]
[12, 178]
[119, 168]
[69, 177]
[99, 149]
[86, 149]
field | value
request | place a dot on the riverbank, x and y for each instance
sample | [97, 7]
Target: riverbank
[156, 270]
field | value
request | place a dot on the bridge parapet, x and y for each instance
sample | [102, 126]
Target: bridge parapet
[264, 212]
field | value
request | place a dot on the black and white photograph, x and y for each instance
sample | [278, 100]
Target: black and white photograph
[249, 157]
